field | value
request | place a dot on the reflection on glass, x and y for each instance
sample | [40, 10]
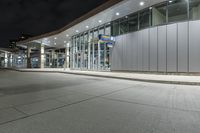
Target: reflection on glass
[133, 22]
[194, 9]
[144, 18]
[159, 13]
[124, 25]
[177, 10]
[115, 28]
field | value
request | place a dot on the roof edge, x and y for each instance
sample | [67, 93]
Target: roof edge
[91, 13]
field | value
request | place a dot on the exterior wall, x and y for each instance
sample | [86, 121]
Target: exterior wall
[168, 48]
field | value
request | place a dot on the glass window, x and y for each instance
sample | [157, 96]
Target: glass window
[107, 30]
[144, 18]
[101, 30]
[124, 25]
[194, 9]
[115, 28]
[96, 33]
[159, 13]
[133, 22]
[177, 10]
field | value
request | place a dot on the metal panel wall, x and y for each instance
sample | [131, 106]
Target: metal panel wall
[172, 48]
[183, 47]
[140, 51]
[117, 54]
[129, 51]
[194, 46]
[134, 52]
[162, 46]
[145, 49]
[153, 49]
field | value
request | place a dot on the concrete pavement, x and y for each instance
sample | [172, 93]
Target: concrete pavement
[60, 103]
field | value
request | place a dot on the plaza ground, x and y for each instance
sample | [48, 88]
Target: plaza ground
[56, 102]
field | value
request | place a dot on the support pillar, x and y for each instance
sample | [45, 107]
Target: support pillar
[67, 57]
[6, 59]
[28, 57]
[42, 54]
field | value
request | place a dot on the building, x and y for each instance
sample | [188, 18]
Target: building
[13, 42]
[6, 58]
[126, 35]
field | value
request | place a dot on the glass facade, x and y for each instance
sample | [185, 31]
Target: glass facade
[87, 53]
[194, 9]
[162, 13]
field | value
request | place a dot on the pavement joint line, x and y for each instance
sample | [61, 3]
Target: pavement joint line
[67, 105]
[153, 106]
[20, 111]
[122, 78]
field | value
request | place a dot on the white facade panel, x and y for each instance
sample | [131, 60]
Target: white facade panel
[183, 47]
[172, 48]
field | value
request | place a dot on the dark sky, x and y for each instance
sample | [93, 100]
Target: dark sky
[36, 17]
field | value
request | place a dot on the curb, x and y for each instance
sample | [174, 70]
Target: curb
[124, 78]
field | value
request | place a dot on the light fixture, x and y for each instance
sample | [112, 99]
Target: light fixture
[141, 3]
[117, 14]
[77, 31]
[54, 43]
[67, 35]
[65, 41]
[170, 1]
[87, 26]
[100, 21]
[68, 44]
[150, 8]
[55, 38]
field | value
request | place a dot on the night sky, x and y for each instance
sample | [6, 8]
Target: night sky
[35, 17]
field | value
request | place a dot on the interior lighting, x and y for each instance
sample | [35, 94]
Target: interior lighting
[141, 3]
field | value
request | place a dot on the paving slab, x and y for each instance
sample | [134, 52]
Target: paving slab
[100, 115]
[10, 114]
[39, 107]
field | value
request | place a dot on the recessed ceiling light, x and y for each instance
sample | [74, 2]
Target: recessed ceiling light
[54, 43]
[150, 7]
[55, 38]
[77, 31]
[141, 3]
[117, 14]
[67, 35]
[100, 21]
[87, 26]
[170, 1]
[65, 41]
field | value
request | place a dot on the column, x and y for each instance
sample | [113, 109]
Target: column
[99, 56]
[52, 58]
[67, 57]
[42, 54]
[6, 59]
[28, 52]
[89, 52]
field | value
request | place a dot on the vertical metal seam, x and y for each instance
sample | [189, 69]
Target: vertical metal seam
[157, 49]
[177, 60]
